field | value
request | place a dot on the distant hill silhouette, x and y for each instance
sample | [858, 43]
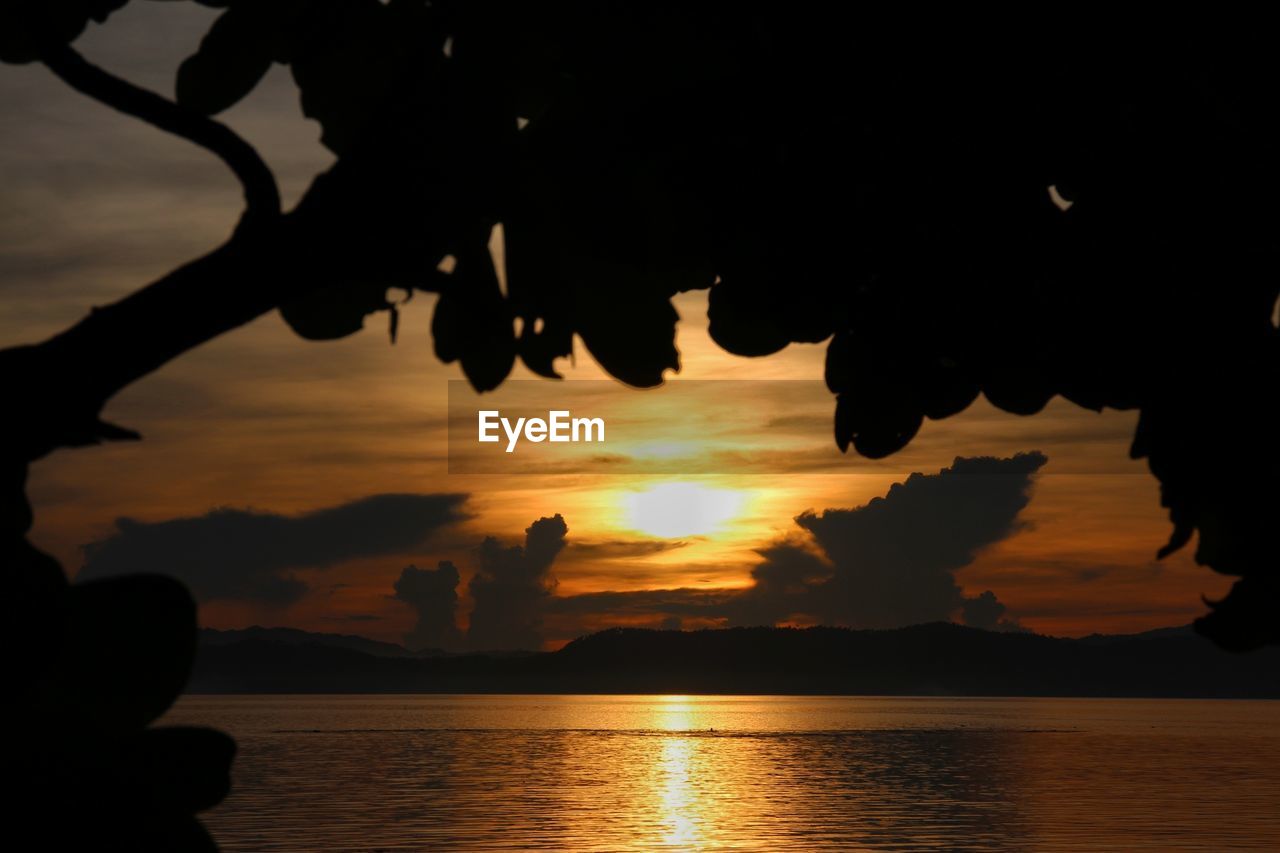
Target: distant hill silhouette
[932, 659]
[211, 637]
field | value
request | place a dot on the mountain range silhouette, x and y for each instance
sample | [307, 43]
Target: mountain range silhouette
[931, 659]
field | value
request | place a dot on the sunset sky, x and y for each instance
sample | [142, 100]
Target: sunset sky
[97, 204]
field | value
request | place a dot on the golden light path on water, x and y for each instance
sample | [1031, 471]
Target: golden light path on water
[680, 805]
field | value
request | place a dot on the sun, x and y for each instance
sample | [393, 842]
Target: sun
[673, 510]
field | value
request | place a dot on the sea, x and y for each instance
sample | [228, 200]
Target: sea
[772, 773]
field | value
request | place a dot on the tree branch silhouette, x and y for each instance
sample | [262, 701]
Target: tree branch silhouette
[261, 195]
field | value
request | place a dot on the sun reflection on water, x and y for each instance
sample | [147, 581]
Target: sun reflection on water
[673, 713]
[676, 792]
[679, 798]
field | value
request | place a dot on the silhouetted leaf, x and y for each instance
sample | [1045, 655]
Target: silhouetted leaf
[631, 335]
[179, 768]
[351, 58]
[335, 311]
[473, 325]
[876, 424]
[1020, 391]
[536, 286]
[232, 58]
[539, 350]
[739, 324]
[129, 648]
[945, 388]
[878, 408]
[28, 26]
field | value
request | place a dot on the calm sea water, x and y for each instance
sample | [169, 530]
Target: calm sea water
[745, 772]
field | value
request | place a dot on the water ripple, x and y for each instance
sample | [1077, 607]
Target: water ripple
[763, 773]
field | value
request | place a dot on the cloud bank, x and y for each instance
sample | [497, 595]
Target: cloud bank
[511, 592]
[889, 563]
[247, 555]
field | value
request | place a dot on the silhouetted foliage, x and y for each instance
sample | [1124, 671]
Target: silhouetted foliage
[884, 184]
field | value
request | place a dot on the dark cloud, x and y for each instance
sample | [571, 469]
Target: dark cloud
[620, 549]
[982, 611]
[669, 602]
[433, 594]
[894, 559]
[247, 555]
[512, 586]
[987, 612]
[1083, 570]
[810, 423]
[511, 592]
[783, 585]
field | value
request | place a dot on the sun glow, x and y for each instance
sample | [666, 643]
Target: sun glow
[674, 510]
